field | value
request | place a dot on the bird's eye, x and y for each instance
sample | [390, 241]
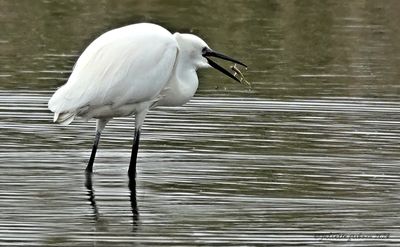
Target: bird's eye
[204, 50]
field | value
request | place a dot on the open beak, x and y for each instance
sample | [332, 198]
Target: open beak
[207, 52]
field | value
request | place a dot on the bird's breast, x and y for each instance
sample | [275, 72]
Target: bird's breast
[179, 90]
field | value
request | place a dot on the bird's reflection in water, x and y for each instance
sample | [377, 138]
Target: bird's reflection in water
[135, 211]
[92, 200]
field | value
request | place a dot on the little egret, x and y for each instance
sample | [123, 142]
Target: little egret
[130, 70]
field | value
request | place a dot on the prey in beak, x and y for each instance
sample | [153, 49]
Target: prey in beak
[207, 52]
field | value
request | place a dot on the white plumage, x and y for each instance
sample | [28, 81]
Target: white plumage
[129, 70]
[116, 70]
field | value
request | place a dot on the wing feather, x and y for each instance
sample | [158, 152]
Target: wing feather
[123, 66]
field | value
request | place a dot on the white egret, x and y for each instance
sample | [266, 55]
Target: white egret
[130, 70]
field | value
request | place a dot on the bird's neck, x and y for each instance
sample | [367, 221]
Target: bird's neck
[186, 73]
[183, 83]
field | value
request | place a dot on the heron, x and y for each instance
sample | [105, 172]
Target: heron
[128, 71]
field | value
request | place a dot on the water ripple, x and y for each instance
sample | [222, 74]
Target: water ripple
[251, 166]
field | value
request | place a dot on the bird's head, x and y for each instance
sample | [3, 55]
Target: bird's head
[198, 53]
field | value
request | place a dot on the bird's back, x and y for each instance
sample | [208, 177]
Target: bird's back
[127, 65]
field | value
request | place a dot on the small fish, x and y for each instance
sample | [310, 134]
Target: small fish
[238, 72]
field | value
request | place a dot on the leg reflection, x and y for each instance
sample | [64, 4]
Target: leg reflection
[135, 211]
[92, 200]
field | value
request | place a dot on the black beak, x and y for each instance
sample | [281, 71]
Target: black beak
[207, 52]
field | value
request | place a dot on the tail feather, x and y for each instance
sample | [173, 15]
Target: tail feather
[64, 113]
[64, 118]
[56, 114]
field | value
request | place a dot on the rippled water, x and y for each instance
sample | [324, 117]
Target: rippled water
[312, 148]
[216, 171]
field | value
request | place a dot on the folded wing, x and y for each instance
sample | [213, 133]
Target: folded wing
[127, 65]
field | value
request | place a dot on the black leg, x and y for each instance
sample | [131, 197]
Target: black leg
[89, 167]
[135, 147]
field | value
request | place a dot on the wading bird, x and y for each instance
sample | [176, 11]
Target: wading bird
[129, 70]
